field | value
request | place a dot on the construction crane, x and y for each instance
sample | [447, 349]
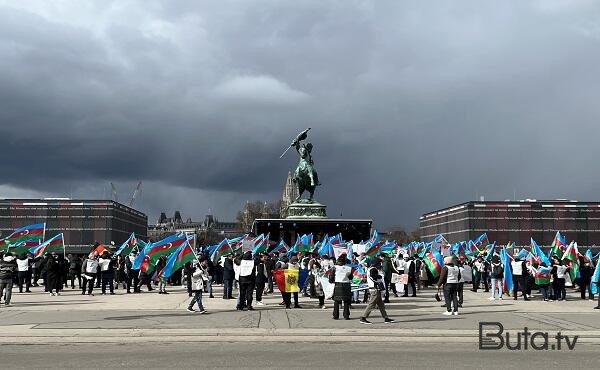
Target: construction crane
[114, 192]
[136, 192]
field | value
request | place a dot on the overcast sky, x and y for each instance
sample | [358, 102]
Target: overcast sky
[414, 105]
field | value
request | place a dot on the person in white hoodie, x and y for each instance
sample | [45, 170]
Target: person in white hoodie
[89, 270]
[199, 275]
[23, 273]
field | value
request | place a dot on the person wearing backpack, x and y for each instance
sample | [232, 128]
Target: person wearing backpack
[497, 272]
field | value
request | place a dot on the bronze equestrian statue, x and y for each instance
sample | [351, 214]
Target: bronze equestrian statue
[305, 176]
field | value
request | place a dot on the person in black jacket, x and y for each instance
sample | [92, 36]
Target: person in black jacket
[54, 274]
[228, 276]
[74, 270]
[8, 267]
[210, 266]
[410, 269]
[519, 272]
[132, 275]
[247, 280]
[342, 291]
[262, 277]
[107, 268]
[189, 269]
[586, 271]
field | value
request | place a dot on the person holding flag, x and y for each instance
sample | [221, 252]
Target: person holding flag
[596, 280]
[132, 273]
[199, 276]
[89, 269]
[586, 271]
[519, 273]
[559, 272]
[542, 280]
[8, 266]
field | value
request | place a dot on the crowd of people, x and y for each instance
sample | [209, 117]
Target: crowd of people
[327, 277]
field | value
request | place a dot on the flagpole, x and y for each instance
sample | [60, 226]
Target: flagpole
[193, 251]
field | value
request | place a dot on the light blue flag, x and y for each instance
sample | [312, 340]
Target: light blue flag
[596, 278]
[137, 263]
[535, 249]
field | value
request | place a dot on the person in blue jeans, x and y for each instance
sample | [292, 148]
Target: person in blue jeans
[198, 278]
[497, 275]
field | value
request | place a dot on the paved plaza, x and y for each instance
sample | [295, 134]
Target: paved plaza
[149, 329]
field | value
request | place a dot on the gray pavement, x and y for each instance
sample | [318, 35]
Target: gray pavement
[376, 354]
[152, 330]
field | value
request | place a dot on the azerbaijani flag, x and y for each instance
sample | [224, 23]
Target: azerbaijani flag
[559, 244]
[236, 244]
[261, 244]
[176, 260]
[326, 249]
[31, 235]
[20, 249]
[53, 244]
[287, 280]
[147, 265]
[537, 251]
[161, 248]
[390, 248]
[508, 278]
[434, 261]
[358, 274]
[336, 240]
[280, 248]
[127, 246]
[306, 243]
[137, 263]
[472, 248]
[589, 257]
[490, 251]
[523, 254]
[481, 240]
[571, 256]
[542, 276]
[222, 250]
[596, 278]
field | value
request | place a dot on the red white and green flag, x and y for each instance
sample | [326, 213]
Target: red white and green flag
[30, 235]
[222, 250]
[559, 244]
[128, 246]
[180, 257]
[571, 257]
[161, 248]
[542, 276]
[56, 243]
[434, 262]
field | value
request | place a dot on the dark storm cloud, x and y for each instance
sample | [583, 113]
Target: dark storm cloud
[413, 106]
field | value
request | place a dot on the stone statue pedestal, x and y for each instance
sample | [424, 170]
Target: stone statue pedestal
[306, 210]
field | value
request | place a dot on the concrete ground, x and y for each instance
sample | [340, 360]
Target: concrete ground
[152, 330]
